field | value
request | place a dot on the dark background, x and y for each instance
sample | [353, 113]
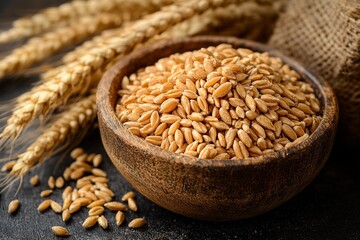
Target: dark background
[329, 208]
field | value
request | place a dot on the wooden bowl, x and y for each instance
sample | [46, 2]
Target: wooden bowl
[212, 189]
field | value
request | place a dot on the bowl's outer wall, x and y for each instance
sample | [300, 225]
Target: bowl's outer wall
[210, 190]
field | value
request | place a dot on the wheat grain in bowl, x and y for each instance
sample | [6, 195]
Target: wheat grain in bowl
[219, 103]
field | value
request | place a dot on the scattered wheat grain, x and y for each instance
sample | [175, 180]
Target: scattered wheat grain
[56, 207]
[60, 231]
[97, 160]
[137, 223]
[13, 206]
[103, 222]
[44, 205]
[119, 218]
[66, 215]
[90, 221]
[132, 204]
[115, 206]
[128, 195]
[51, 182]
[96, 203]
[34, 180]
[46, 193]
[98, 210]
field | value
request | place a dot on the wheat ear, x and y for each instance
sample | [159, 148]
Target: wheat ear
[62, 14]
[38, 48]
[221, 17]
[103, 39]
[212, 19]
[209, 20]
[69, 125]
[76, 78]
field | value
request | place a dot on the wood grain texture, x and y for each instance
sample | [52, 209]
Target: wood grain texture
[212, 189]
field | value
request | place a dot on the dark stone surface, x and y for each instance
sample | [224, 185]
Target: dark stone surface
[329, 208]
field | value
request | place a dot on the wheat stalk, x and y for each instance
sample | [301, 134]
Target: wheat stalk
[76, 78]
[217, 18]
[210, 19]
[61, 15]
[69, 126]
[39, 48]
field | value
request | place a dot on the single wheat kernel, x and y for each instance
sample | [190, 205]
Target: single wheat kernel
[98, 172]
[56, 207]
[245, 138]
[90, 221]
[44, 205]
[46, 193]
[76, 165]
[132, 204]
[51, 182]
[67, 202]
[81, 158]
[96, 203]
[90, 195]
[80, 183]
[34, 180]
[85, 188]
[97, 160]
[66, 215]
[99, 179]
[128, 195]
[59, 183]
[74, 207]
[60, 231]
[90, 158]
[67, 174]
[83, 201]
[289, 132]
[96, 211]
[115, 206]
[103, 222]
[76, 153]
[13, 206]
[108, 191]
[119, 218]
[78, 173]
[222, 90]
[67, 191]
[137, 223]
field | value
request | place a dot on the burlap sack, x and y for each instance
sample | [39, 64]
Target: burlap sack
[325, 36]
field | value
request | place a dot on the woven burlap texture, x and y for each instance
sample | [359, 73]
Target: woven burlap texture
[325, 36]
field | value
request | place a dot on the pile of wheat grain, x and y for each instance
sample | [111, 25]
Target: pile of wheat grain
[219, 102]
